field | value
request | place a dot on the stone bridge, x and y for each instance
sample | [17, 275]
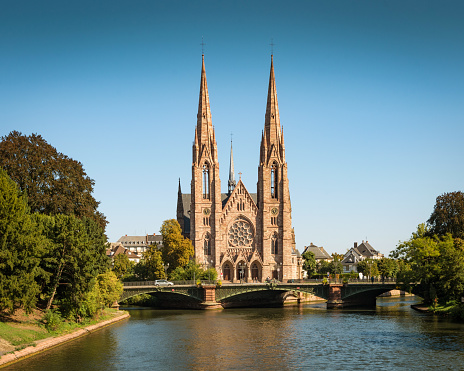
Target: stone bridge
[258, 294]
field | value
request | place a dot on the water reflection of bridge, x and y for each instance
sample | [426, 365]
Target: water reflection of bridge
[258, 294]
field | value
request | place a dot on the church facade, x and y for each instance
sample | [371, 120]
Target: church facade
[244, 236]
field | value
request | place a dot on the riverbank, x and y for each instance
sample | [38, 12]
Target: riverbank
[51, 342]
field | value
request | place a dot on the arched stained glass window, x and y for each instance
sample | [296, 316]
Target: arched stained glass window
[207, 245]
[274, 180]
[274, 244]
[206, 183]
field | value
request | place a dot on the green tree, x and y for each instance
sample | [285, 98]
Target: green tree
[368, 267]
[153, 261]
[437, 263]
[335, 267]
[75, 257]
[122, 266]
[448, 215]
[309, 263]
[387, 267]
[54, 183]
[323, 267]
[20, 250]
[362, 268]
[192, 271]
[209, 274]
[177, 250]
[337, 257]
[110, 288]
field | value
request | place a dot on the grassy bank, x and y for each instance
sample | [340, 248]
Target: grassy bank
[22, 330]
[451, 309]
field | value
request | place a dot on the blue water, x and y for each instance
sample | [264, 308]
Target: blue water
[307, 337]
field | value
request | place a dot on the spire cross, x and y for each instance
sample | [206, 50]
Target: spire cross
[240, 175]
[202, 46]
[272, 46]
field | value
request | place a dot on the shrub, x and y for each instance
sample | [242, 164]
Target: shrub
[52, 320]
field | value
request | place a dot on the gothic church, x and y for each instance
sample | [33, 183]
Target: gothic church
[244, 236]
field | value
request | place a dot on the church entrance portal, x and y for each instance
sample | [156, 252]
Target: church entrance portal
[255, 273]
[227, 272]
[241, 271]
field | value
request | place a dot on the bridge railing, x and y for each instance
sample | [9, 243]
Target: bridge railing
[343, 280]
[152, 283]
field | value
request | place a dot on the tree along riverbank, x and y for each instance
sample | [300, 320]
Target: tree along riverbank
[21, 339]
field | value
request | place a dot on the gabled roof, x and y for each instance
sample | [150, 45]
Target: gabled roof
[366, 250]
[318, 251]
[352, 256]
[117, 249]
[240, 187]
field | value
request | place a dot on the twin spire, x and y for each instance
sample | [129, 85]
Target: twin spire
[205, 147]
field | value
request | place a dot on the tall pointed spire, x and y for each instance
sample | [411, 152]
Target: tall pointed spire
[204, 131]
[232, 183]
[272, 130]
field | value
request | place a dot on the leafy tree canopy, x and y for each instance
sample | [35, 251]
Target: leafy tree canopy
[153, 264]
[335, 267]
[337, 257]
[54, 183]
[122, 266]
[177, 250]
[20, 249]
[309, 262]
[387, 267]
[368, 267]
[448, 215]
[323, 267]
[436, 262]
[74, 258]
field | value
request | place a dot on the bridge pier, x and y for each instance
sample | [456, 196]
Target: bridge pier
[209, 298]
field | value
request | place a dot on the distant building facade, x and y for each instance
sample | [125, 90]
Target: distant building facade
[140, 244]
[242, 235]
[359, 253]
[116, 248]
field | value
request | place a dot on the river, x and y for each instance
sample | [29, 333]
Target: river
[305, 337]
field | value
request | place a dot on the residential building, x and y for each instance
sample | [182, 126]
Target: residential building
[139, 244]
[358, 253]
[319, 253]
[117, 248]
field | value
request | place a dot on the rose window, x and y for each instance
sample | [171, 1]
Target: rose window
[240, 233]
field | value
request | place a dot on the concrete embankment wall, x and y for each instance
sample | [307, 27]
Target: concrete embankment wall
[49, 343]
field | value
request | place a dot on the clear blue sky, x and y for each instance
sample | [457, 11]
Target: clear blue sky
[371, 98]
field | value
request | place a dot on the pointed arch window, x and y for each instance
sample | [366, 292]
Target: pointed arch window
[207, 245]
[274, 180]
[274, 244]
[206, 183]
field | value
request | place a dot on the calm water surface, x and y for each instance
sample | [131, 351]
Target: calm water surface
[392, 337]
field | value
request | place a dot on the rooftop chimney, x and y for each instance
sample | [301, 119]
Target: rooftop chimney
[355, 245]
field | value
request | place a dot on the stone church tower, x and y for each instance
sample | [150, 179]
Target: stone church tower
[245, 236]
